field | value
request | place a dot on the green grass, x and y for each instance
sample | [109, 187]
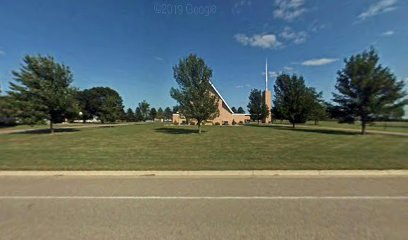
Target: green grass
[160, 147]
[401, 127]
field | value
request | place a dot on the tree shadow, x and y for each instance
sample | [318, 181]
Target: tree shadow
[47, 131]
[176, 130]
[310, 130]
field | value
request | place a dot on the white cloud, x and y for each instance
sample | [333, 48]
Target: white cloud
[243, 86]
[159, 58]
[288, 69]
[388, 33]
[295, 37]
[289, 9]
[381, 6]
[258, 40]
[272, 74]
[240, 5]
[318, 62]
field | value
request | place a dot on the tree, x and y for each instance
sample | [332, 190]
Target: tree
[293, 100]
[168, 114]
[152, 114]
[102, 102]
[138, 115]
[42, 90]
[176, 109]
[318, 111]
[130, 116]
[160, 113]
[6, 111]
[334, 112]
[144, 108]
[234, 110]
[367, 90]
[240, 110]
[194, 94]
[277, 114]
[256, 106]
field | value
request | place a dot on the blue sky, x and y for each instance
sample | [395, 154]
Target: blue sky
[132, 46]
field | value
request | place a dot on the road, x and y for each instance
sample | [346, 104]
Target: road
[100, 207]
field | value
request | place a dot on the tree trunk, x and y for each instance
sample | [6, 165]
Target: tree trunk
[363, 127]
[293, 124]
[199, 127]
[316, 122]
[51, 127]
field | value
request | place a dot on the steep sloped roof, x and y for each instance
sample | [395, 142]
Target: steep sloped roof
[220, 96]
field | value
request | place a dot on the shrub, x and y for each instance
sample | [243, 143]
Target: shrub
[233, 122]
[217, 124]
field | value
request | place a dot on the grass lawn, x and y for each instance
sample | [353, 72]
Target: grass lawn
[160, 147]
[377, 126]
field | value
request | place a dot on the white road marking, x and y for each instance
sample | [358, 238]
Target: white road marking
[204, 197]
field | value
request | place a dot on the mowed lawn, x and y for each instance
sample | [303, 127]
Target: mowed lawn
[161, 147]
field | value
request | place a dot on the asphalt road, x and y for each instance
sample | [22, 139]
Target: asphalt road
[203, 208]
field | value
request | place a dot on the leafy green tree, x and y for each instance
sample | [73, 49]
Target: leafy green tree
[240, 110]
[160, 113]
[176, 109]
[334, 112]
[293, 99]
[366, 90]
[168, 114]
[130, 115]
[144, 108]
[6, 111]
[102, 102]
[234, 110]
[277, 114]
[152, 114]
[138, 115]
[318, 111]
[194, 93]
[42, 90]
[256, 106]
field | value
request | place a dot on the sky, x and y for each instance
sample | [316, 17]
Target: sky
[132, 46]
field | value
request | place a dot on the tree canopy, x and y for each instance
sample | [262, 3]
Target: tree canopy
[293, 100]
[102, 102]
[168, 114]
[42, 91]
[194, 96]
[240, 110]
[152, 113]
[367, 91]
[256, 106]
[144, 108]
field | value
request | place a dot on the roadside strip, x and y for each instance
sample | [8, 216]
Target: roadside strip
[245, 173]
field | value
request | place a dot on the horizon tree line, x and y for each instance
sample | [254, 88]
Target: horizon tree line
[365, 91]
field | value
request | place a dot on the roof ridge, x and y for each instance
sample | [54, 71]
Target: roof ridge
[219, 94]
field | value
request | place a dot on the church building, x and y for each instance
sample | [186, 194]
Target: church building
[226, 115]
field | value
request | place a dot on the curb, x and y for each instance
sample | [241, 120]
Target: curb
[245, 173]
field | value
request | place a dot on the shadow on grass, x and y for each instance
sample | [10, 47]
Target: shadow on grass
[47, 131]
[176, 130]
[310, 130]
